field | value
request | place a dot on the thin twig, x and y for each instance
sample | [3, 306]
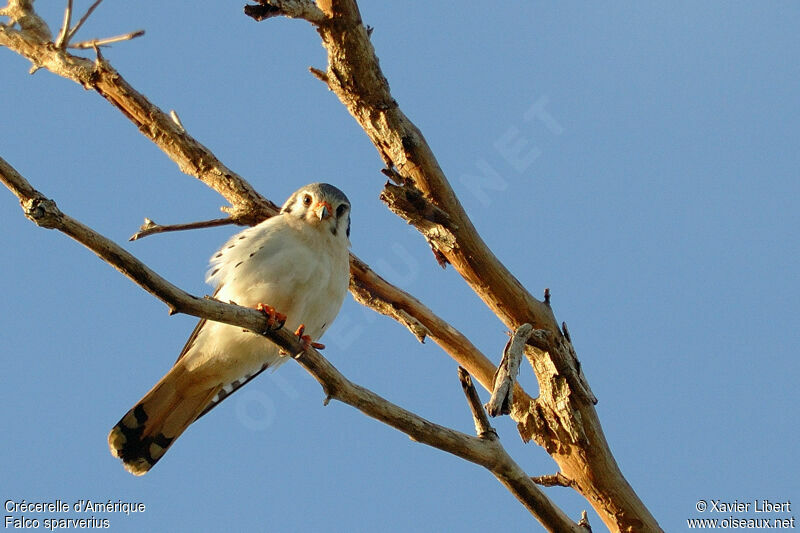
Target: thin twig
[94, 43]
[321, 75]
[507, 370]
[63, 35]
[584, 522]
[250, 207]
[483, 427]
[485, 452]
[149, 227]
[83, 19]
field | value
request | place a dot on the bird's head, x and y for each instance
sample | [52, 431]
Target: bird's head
[321, 205]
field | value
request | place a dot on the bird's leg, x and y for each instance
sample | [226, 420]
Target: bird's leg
[275, 320]
[305, 340]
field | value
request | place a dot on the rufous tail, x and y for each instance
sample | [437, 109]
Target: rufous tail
[147, 431]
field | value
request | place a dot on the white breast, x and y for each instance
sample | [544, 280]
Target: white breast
[300, 270]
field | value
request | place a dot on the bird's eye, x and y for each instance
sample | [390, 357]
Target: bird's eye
[307, 200]
[341, 209]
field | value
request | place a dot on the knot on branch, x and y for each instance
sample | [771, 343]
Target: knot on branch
[556, 414]
[411, 205]
[31, 24]
[43, 212]
[250, 213]
[262, 11]
[298, 9]
[563, 360]
[553, 480]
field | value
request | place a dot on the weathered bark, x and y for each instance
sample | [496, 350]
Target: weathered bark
[563, 419]
[482, 450]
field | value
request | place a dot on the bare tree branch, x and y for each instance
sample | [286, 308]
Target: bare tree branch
[61, 40]
[247, 205]
[21, 13]
[563, 419]
[83, 19]
[553, 480]
[483, 428]
[94, 43]
[299, 9]
[507, 370]
[567, 425]
[488, 453]
[151, 228]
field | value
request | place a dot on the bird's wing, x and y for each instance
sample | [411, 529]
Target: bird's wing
[284, 263]
[226, 389]
[229, 389]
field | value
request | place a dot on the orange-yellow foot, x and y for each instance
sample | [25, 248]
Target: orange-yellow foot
[305, 340]
[275, 320]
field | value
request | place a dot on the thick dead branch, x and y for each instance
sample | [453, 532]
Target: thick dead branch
[565, 422]
[248, 206]
[354, 76]
[21, 13]
[409, 204]
[487, 453]
[507, 370]
[369, 289]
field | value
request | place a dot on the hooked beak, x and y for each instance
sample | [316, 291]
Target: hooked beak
[323, 210]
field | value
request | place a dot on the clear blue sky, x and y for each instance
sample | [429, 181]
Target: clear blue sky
[657, 199]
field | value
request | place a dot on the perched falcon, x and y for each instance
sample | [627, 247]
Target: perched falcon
[294, 267]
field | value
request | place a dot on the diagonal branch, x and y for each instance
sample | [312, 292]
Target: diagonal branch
[94, 43]
[151, 228]
[83, 19]
[488, 453]
[483, 427]
[565, 422]
[247, 205]
[63, 34]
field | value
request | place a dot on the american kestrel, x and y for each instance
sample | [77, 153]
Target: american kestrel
[294, 267]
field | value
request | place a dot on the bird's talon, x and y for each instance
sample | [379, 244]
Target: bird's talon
[305, 340]
[275, 320]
